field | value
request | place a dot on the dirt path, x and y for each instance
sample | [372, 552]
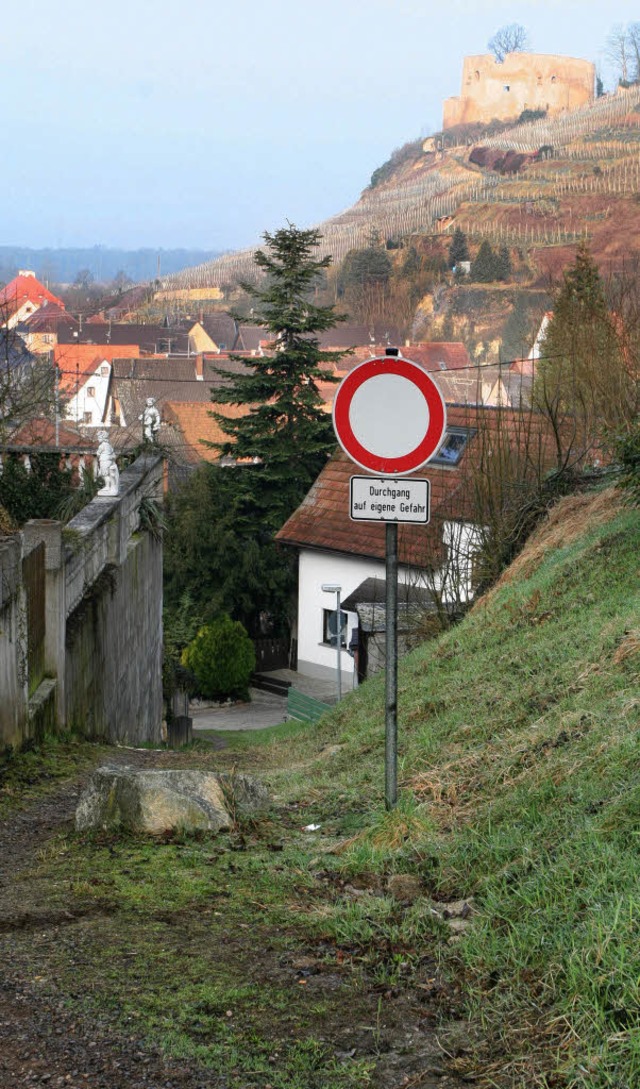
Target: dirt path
[45, 1040]
[41, 1042]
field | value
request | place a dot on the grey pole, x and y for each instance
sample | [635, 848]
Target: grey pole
[391, 668]
[338, 645]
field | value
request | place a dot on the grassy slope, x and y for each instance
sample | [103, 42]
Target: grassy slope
[519, 754]
[520, 758]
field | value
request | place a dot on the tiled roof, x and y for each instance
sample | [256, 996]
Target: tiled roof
[322, 520]
[47, 319]
[354, 335]
[166, 379]
[222, 329]
[26, 288]
[196, 424]
[42, 432]
[77, 361]
[149, 338]
[432, 354]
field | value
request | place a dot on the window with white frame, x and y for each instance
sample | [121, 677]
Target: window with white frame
[329, 627]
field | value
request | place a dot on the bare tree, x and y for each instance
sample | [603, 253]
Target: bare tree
[633, 35]
[512, 38]
[28, 383]
[617, 50]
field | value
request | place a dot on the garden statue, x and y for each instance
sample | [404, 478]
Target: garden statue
[150, 420]
[107, 467]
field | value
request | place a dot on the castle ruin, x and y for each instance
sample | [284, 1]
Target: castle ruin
[523, 81]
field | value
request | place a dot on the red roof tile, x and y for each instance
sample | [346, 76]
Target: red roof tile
[196, 424]
[26, 288]
[322, 520]
[78, 361]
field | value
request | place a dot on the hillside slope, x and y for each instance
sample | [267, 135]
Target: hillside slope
[520, 763]
[586, 180]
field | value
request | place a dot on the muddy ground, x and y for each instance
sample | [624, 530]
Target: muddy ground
[49, 1037]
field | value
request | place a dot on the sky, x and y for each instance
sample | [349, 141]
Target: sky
[203, 124]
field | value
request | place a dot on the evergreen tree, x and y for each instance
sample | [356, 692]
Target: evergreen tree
[219, 559]
[458, 250]
[484, 268]
[286, 430]
[503, 264]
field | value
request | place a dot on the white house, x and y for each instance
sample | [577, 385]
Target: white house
[86, 392]
[436, 562]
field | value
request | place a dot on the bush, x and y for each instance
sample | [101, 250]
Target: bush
[626, 451]
[222, 659]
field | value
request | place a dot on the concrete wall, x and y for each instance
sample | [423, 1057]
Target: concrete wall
[14, 693]
[103, 612]
[524, 81]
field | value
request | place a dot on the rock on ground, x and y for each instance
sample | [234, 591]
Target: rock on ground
[156, 801]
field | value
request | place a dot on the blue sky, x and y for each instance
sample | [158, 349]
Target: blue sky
[146, 123]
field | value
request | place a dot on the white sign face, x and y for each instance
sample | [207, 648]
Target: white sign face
[387, 499]
[389, 416]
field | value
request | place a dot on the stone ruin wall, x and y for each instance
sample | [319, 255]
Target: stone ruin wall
[524, 81]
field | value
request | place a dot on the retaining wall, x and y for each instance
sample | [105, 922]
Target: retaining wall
[103, 612]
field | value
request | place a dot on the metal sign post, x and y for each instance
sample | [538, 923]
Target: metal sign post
[391, 667]
[390, 418]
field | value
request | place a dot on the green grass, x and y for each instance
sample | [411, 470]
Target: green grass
[35, 770]
[520, 788]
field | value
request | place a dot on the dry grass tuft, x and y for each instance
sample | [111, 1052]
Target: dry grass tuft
[629, 647]
[568, 520]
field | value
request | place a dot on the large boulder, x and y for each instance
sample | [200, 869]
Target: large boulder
[158, 801]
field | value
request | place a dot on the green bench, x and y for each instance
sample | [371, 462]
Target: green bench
[305, 708]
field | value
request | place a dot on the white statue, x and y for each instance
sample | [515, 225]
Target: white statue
[150, 420]
[107, 467]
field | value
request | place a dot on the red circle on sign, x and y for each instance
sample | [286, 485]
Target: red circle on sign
[425, 387]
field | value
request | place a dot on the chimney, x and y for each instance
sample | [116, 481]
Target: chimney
[200, 367]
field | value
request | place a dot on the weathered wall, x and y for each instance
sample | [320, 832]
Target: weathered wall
[113, 643]
[102, 619]
[13, 645]
[524, 81]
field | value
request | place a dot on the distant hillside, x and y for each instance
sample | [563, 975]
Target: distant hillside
[539, 186]
[104, 264]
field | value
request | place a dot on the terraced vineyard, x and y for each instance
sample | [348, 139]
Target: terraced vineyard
[585, 184]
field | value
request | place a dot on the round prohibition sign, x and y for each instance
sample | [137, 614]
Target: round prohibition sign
[389, 416]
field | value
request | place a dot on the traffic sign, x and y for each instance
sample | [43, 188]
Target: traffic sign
[387, 499]
[389, 416]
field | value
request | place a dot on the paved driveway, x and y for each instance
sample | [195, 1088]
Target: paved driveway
[265, 708]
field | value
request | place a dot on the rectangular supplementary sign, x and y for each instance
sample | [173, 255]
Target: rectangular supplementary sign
[389, 499]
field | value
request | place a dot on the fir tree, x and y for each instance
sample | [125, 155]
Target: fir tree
[458, 250]
[484, 268]
[286, 430]
[503, 264]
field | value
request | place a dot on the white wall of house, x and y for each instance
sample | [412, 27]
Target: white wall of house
[88, 405]
[317, 658]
